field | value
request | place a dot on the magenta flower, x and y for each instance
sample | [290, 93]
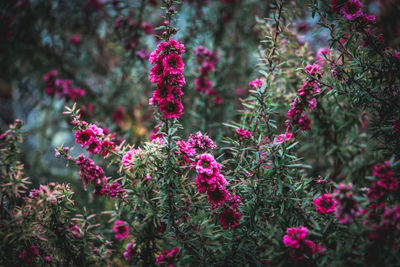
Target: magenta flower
[173, 64]
[229, 219]
[75, 39]
[84, 137]
[168, 257]
[352, 9]
[29, 254]
[396, 125]
[201, 141]
[325, 204]
[128, 251]
[282, 138]
[207, 165]
[256, 84]
[186, 148]
[218, 196]
[323, 54]
[171, 108]
[295, 236]
[121, 229]
[128, 158]
[244, 133]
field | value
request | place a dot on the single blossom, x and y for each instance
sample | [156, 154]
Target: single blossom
[325, 204]
[121, 229]
[352, 9]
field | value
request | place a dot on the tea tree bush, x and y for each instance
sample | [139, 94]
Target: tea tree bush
[238, 139]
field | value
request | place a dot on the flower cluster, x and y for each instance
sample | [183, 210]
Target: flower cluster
[167, 74]
[306, 99]
[323, 54]
[256, 84]
[385, 230]
[61, 87]
[386, 183]
[203, 84]
[201, 141]
[94, 174]
[129, 250]
[283, 138]
[209, 180]
[168, 257]
[347, 208]
[121, 229]
[325, 204]
[244, 133]
[94, 138]
[396, 125]
[30, 254]
[299, 245]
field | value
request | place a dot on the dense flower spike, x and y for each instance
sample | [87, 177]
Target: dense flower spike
[167, 74]
[296, 115]
[121, 229]
[386, 183]
[61, 87]
[207, 60]
[94, 138]
[347, 208]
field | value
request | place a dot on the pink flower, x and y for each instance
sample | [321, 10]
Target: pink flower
[95, 146]
[244, 134]
[128, 251]
[96, 130]
[29, 254]
[84, 137]
[323, 54]
[173, 64]
[312, 69]
[185, 147]
[295, 236]
[325, 204]
[396, 55]
[128, 158]
[107, 147]
[256, 84]
[218, 196]
[347, 208]
[229, 219]
[352, 9]
[168, 257]
[312, 103]
[75, 39]
[89, 171]
[171, 108]
[156, 73]
[201, 141]
[396, 124]
[119, 115]
[147, 28]
[121, 229]
[207, 165]
[282, 138]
